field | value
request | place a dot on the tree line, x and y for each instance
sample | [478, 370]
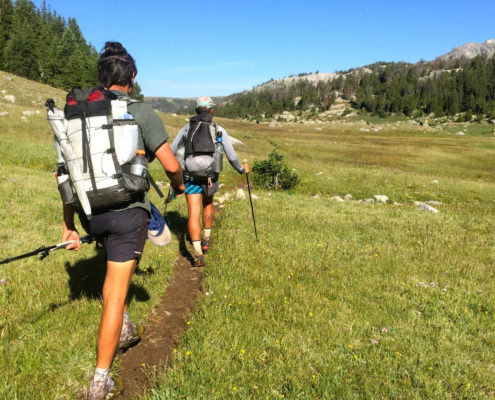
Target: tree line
[299, 95]
[467, 87]
[42, 46]
[464, 86]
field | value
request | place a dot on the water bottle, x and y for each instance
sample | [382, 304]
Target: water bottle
[61, 174]
[218, 155]
[64, 187]
[139, 165]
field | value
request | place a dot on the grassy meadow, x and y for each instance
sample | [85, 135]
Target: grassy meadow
[336, 300]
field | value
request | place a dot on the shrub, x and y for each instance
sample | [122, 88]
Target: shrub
[274, 172]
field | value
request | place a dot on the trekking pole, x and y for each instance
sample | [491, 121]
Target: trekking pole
[251, 202]
[170, 196]
[44, 251]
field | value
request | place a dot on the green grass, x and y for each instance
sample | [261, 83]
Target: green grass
[340, 301]
[350, 300]
[334, 301]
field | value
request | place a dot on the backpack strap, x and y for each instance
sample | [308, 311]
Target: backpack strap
[191, 136]
[155, 186]
[216, 131]
[86, 153]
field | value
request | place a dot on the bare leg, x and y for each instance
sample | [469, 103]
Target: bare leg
[194, 210]
[115, 288]
[208, 212]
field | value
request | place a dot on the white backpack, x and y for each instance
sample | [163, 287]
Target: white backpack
[97, 143]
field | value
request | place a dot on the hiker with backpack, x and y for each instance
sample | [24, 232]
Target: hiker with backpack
[104, 144]
[199, 146]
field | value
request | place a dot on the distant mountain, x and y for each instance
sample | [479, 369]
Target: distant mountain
[470, 50]
[176, 105]
[170, 104]
[461, 53]
[458, 85]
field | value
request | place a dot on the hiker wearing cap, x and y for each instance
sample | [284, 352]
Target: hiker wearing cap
[122, 230]
[199, 147]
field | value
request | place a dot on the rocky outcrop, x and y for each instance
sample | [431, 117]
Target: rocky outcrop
[470, 50]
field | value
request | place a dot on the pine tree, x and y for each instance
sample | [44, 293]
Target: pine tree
[136, 92]
[6, 21]
[21, 52]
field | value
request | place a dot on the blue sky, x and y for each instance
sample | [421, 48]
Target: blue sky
[215, 48]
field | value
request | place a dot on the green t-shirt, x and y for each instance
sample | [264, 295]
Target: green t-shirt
[152, 134]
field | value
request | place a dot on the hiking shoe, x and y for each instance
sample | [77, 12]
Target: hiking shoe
[130, 335]
[105, 389]
[198, 261]
[205, 245]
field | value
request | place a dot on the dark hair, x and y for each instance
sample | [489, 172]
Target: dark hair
[116, 66]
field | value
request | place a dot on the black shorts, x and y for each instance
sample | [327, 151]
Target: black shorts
[122, 233]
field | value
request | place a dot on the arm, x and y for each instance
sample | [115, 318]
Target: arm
[172, 167]
[230, 152]
[155, 138]
[179, 139]
[69, 231]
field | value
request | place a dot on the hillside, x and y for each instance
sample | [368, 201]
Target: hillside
[170, 105]
[465, 52]
[177, 105]
[458, 85]
[470, 50]
[22, 98]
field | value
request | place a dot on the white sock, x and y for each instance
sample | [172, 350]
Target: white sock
[197, 247]
[101, 374]
[206, 233]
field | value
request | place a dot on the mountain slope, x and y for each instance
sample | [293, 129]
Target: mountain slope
[470, 50]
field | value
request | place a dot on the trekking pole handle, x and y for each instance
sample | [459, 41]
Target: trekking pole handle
[245, 165]
[84, 239]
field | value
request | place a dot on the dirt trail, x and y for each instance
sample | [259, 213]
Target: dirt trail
[163, 329]
[140, 364]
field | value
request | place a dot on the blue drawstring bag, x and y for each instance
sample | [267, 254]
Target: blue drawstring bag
[158, 232]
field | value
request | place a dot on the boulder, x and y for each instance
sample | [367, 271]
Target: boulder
[240, 195]
[381, 198]
[9, 98]
[425, 207]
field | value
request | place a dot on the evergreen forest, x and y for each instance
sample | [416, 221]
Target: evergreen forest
[465, 86]
[42, 46]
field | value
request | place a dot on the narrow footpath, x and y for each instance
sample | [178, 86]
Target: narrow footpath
[141, 363]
